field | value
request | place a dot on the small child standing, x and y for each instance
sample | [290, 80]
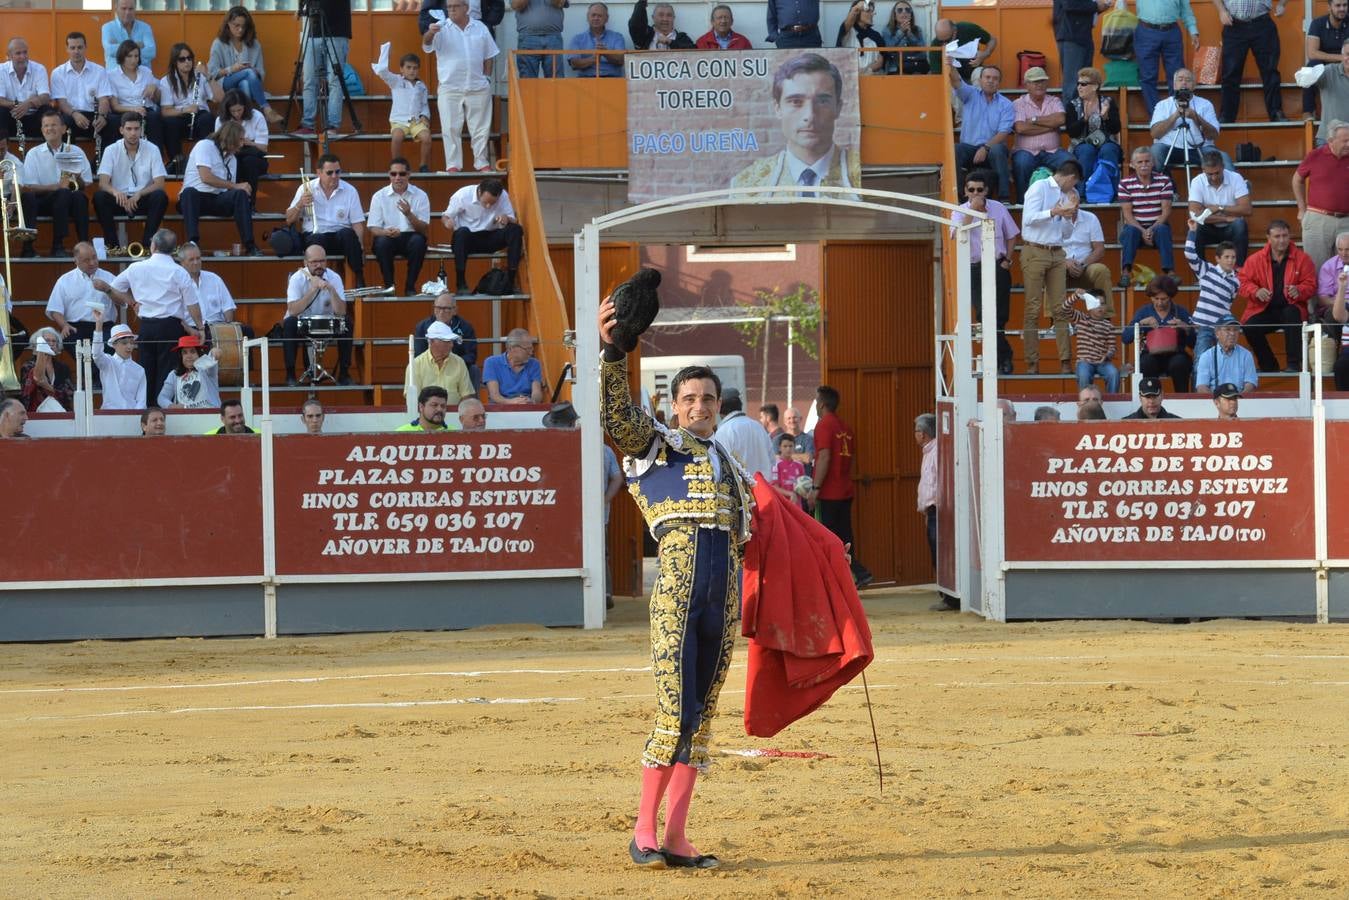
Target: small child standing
[122, 377]
[410, 113]
[786, 470]
[1217, 289]
[1095, 341]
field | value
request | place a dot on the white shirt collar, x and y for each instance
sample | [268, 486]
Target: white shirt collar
[821, 166]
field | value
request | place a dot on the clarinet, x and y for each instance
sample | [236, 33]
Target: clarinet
[196, 102]
[18, 133]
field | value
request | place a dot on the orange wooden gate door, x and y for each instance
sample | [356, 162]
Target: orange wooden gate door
[878, 354]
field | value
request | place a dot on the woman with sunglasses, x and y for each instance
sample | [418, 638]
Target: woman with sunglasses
[857, 31]
[902, 31]
[1093, 126]
[236, 59]
[252, 156]
[134, 89]
[183, 91]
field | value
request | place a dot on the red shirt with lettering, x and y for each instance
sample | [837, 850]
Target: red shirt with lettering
[832, 434]
[1328, 180]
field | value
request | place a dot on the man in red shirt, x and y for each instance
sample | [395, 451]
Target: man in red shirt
[1323, 206]
[1278, 282]
[835, 446]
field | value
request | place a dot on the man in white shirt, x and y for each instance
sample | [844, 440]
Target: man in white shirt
[743, 437]
[464, 52]
[327, 211]
[1085, 248]
[1045, 228]
[400, 217]
[80, 293]
[483, 221]
[1183, 125]
[314, 290]
[80, 89]
[130, 183]
[211, 186]
[24, 92]
[47, 190]
[1224, 199]
[217, 305]
[164, 296]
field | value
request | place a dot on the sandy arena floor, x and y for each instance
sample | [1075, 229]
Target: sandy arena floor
[1048, 760]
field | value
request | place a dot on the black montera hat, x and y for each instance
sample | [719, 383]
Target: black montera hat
[636, 305]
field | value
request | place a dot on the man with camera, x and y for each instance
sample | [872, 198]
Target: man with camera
[1183, 126]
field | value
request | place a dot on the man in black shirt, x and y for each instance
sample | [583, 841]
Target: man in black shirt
[1073, 23]
[1150, 401]
[326, 46]
[1325, 46]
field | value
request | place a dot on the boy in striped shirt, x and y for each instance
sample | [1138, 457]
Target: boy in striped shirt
[1217, 288]
[1095, 341]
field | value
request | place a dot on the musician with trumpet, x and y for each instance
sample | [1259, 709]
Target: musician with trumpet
[54, 176]
[130, 183]
[24, 93]
[80, 89]
[327, 211]
[314, 290]
[79, 295]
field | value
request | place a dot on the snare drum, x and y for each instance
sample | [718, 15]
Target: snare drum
[322, 327]
[229, 338]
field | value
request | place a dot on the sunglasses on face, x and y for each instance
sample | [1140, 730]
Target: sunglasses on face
[332, 172]
[398, 174]
[1086, 84]
[975, 189]
[185, 58]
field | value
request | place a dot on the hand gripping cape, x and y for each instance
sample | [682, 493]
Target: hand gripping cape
[808, 634]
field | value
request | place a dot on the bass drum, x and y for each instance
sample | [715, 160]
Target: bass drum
[229, 338]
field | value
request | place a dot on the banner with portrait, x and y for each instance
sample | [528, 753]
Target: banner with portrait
[700, 121]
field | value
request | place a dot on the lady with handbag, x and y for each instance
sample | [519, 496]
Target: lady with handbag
[1093, 125]
[1166, 333]
[902, 31]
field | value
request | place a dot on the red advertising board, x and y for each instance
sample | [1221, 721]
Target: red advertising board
[411, 502]
[100, 509]
[1337, 511]
[1159, 490]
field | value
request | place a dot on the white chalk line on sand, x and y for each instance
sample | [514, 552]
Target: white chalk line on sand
[637, 670]
[318, 679]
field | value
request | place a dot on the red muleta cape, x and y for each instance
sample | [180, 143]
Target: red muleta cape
[808, 634]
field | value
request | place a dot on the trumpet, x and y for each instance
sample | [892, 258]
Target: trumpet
[69, 179]
[135, 250]
[308, 192]
[362, 292]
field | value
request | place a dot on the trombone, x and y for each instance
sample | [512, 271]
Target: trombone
[9, 194]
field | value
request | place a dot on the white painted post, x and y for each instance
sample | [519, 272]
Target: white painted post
[586, 399]
[990, 457]
[1319, 481]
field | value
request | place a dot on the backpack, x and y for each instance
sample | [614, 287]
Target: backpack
[352, 79]
[496, 282]
[1027, 60]
[1101, 185]
[493, 11]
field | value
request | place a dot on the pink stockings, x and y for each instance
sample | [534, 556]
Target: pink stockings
[678, 780]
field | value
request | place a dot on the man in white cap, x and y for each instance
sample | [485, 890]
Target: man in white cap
[440, 366]
[123, 377]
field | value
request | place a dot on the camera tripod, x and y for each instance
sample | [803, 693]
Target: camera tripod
[1185, 143]
[315, 29]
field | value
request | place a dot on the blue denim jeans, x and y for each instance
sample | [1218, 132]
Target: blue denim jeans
[1087, 372]
[316, 56]
[1074, 57]
[1024, 164]
[1087, 154]
[1131, 239]
[248, 82]
[1203, 339]
[1151, 46]
[996, 160]
[538, 66]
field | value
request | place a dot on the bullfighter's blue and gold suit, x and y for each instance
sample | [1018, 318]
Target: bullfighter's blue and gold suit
[696, 499]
